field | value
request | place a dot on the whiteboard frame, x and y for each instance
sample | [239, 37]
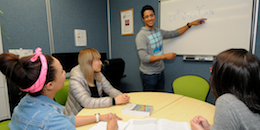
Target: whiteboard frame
[254, 26]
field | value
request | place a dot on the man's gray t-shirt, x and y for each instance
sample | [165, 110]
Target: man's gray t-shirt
[150, 42]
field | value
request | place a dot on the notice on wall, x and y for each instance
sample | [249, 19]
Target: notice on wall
[21, 52]
[80, 37]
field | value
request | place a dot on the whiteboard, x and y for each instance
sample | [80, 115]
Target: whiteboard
[228, 25]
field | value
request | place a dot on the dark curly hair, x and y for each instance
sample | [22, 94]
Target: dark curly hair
[146, 7]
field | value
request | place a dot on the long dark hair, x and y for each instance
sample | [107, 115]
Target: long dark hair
[237, 71]
[22, 72]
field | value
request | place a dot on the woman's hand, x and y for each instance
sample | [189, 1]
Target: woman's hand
[112, 123]
[200, 123]
[121, 99]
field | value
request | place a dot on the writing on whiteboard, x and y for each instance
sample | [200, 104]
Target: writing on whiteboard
[184, 15]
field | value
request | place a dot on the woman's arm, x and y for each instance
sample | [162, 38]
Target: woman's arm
[84, 120]
[119, 97]
[107, 87]
[80, 91]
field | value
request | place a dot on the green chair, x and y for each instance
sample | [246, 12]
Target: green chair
[62, 95]
[191, 86]
[4, 125]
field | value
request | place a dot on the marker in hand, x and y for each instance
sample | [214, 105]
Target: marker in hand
[201, 20]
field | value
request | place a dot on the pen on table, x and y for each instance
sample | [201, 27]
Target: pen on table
[109, 111]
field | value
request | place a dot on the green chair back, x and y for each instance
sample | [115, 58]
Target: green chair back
[4, 125]
[62, 95]
[191, 86]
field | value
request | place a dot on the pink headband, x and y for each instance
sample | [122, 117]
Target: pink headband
[38, 85]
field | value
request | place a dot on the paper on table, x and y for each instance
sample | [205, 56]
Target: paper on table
[153, 124]
[102, 125]
[165, 124]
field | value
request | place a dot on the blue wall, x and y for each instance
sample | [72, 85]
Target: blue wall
[124, 47]
[89, 15]
[26, 24]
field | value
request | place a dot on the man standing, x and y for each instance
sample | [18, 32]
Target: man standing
[149, 43]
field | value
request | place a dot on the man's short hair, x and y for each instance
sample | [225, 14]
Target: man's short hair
[146, 7]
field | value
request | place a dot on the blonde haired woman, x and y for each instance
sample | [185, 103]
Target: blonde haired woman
[87, 84]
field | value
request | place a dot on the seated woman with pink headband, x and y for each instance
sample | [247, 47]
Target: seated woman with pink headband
[41, 76]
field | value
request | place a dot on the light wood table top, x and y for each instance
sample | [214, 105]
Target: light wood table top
[185, 109]
[166, 105]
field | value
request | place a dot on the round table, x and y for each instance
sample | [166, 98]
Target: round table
[166, 105]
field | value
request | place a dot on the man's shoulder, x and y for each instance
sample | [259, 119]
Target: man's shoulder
[142, 32]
